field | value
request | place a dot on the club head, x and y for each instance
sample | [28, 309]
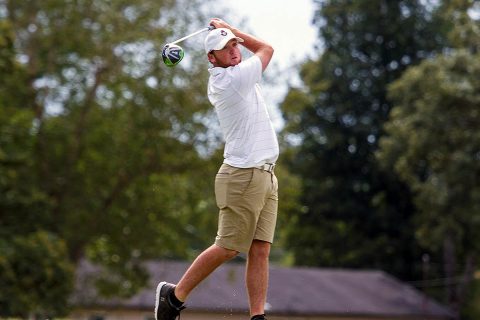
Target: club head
[172, 54]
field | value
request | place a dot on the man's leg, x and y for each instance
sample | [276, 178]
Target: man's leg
[204, 264]
[257, 276]
[169, 298]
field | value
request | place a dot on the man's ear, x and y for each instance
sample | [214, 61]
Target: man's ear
[211, 58]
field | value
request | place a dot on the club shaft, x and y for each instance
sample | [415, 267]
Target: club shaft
[192, 34]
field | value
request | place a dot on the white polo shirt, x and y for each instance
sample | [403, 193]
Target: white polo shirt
[250, 139]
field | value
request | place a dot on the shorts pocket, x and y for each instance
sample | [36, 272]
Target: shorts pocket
[275, 188]
[231, 184]
[221, 188]
[240, 180]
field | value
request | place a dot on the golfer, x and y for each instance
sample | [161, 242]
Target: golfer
[246, 188]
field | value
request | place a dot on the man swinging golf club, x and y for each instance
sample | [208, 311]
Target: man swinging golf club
[246, 188]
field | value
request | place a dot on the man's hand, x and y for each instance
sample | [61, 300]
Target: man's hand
[259, 47]
[219, 23]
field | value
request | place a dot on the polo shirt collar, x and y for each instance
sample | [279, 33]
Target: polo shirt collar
[215, 71]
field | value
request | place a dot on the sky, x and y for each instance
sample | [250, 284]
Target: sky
[283, 23]
[287, 26]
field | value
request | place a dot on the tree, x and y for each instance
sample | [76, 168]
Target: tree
[437, 102]
[100, 145]
[35, 273]
[36, 276]
[354, 213]
[463, 31]
[434, 145]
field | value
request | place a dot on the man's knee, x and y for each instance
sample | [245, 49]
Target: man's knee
[228, 254]
[259, 250]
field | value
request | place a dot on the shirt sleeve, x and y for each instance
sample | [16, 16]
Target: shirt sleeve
[246, 74]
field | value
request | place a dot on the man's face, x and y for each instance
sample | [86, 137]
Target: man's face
[229, 56]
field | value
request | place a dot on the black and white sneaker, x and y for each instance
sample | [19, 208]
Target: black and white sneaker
[164, 309]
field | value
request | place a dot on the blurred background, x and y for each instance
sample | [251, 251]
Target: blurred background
[109, 156]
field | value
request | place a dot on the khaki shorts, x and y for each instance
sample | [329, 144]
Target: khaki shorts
[248, 202]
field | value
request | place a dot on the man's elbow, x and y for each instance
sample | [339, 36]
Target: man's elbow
[268, 53]
[265, 54]
[270, 50]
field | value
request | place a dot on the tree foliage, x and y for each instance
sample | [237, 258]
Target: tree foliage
[35, 275]
[354, 213]
[439, 108]
[433, 143]
[101, 144]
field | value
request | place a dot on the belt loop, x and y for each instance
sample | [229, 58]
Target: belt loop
[269, 167]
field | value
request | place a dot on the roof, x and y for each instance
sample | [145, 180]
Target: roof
[292, 291]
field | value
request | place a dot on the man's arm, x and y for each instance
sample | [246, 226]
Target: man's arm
[259, 47]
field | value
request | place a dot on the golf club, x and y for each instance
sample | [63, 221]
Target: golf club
[172, 53]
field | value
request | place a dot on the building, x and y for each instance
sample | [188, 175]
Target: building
[294, 294]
